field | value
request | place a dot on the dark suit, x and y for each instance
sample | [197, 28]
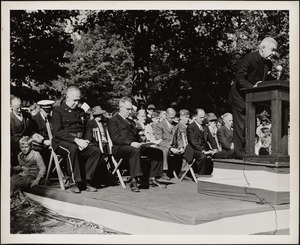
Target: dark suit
[18, 129]
[66, 123]
[211, 144]
[194, 150]
[251, 69]
[225, 137]
[123, 133]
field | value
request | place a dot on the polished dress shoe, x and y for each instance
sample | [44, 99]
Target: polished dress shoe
[134, 187]
[74, 188]
[90, 188]
[155, 183]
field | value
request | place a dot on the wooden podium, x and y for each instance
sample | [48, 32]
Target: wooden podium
[276, 94]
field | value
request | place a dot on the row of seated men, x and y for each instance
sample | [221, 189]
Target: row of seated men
[167, 143]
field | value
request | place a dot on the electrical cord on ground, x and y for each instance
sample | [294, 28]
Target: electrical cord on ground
[261, 201]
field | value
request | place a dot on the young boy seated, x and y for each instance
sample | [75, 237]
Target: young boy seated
[31, 167]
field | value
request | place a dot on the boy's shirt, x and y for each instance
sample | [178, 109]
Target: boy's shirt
[34, 164]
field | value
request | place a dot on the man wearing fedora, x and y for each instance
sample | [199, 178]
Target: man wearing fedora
[211, 138]
[98, 120]
[68, 140]
[150, 109]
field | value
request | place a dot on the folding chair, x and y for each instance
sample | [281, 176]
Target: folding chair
[57, 160]
[190, 165]
[116, 163]
[98, 138]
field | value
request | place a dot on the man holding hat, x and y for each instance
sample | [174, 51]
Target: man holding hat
[43, 116]
[98, 121]
[211, 138]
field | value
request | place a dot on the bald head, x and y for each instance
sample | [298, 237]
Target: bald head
[170, 115]
[16, 105]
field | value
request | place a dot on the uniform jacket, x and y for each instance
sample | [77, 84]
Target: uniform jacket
[225, 137]
[65, 122]
[19, 129]
[251, 69]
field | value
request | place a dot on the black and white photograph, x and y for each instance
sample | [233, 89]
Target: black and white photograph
[150, 122]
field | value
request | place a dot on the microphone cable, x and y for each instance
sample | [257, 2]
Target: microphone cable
[261, 201]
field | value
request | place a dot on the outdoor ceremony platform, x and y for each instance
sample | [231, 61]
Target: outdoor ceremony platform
[239, 199]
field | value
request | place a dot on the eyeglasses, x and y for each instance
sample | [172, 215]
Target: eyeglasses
[128, 109]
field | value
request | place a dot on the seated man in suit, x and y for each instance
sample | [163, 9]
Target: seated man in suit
[225, 135]
[212, 139]
[21, 124]
[180, 138]
[164, 131]
[98, 120]
[68, 140]
[196, 148]
[126, 144]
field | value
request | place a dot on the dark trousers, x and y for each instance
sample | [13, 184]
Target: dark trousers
[91, 154]
[133, 154]
[239, 130]
[224, 154]
[174, 164]
[15, 149]
[204, 165]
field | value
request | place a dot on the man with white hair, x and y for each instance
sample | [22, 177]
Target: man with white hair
[69, 140]
[225, 135]
[252, 70]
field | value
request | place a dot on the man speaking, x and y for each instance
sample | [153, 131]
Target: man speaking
[252, 70]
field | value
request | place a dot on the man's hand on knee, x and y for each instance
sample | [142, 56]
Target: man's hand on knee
[135, 144]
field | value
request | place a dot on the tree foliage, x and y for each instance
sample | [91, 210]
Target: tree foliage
[38, 44]
[182, 58]
[101, 66]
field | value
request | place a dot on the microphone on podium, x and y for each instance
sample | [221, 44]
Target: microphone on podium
[279, 69]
